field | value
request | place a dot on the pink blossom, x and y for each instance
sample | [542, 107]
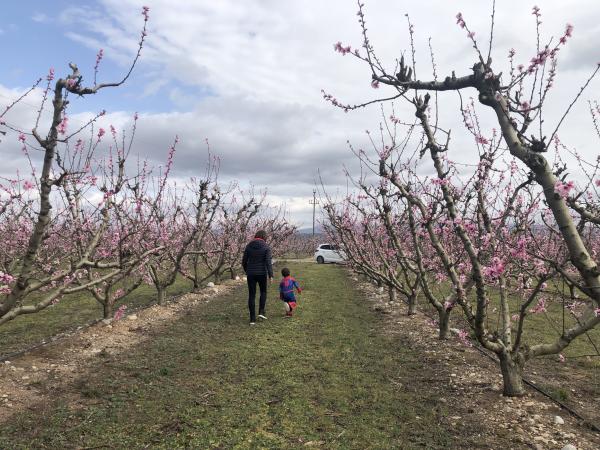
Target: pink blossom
[28, 185]
[568, 33]
[341, 49]
[563, 189]
[540, 307]
[6, 278]
[539, 59]
[99, 57]
[384, 154]
[513, 167]
[22, 137]
[120, 312]
[375, 84]
[101, 132]
[561, 358]
[62, 126]
[460, 21]
[496, 269]
[463, 336]
[569, 30]
[440, 181]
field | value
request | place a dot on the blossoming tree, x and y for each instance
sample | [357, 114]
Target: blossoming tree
[59, 235]
[515, 234]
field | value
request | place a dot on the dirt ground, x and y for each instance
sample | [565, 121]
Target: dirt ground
[49, 370]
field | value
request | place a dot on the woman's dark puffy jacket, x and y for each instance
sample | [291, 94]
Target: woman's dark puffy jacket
[257, 258]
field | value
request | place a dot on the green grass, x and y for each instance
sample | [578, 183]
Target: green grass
[326, 377]
[72, 311]
[539, 328]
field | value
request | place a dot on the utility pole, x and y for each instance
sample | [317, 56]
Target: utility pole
[314, 203]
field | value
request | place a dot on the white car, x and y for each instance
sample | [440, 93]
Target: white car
[327, 253]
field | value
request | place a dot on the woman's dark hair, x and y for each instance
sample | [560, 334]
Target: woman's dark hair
[285, 272]
[261, 234]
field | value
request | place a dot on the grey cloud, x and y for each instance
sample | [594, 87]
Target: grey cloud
[257, 141]
[247, 77]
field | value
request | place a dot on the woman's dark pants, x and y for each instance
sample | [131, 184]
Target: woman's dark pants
[262, 284]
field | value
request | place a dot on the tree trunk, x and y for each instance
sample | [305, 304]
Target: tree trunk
[217, 277]
[161, 295]
[197, 277]
[233, 274]
[444, 324]
[412, 304]
[107, 309]
[196, 288]
[392, 294]
[511, 376]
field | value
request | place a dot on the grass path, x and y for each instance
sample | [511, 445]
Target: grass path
[326, 378]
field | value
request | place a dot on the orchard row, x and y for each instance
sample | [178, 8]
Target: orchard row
[497, 240]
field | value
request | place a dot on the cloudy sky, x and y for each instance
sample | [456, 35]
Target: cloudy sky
[247, 76]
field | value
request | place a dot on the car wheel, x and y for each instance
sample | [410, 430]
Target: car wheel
[320, 260]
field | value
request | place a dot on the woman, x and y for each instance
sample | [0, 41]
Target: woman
[258, 266]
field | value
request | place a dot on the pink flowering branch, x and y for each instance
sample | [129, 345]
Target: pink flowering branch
[35, 274]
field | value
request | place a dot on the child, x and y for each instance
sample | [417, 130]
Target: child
[286, 291]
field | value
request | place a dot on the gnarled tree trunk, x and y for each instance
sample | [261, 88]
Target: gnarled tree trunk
[107, 309]
[512, 375]
[412, 303]
[161, 294]
[444, 319]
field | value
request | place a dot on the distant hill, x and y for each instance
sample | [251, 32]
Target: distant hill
[318, 230]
